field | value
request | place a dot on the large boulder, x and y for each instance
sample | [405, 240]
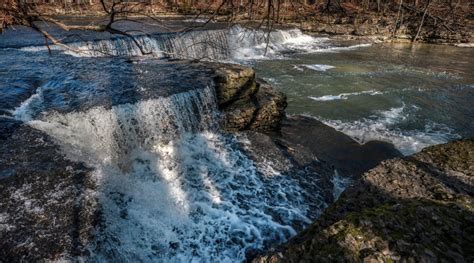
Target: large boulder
[247, 103]
[341, 151]
[261, 111]
[233, 82]
[413, 209]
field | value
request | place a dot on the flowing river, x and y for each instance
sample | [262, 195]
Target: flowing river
[172, 186]
[411, 96]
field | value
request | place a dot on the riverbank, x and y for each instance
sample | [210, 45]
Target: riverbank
[438, 23]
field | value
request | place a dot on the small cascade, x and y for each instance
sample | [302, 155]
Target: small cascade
[209, 44]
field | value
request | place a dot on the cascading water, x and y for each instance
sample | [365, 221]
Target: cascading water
[236, 44]
[190, 45]
[171, 187]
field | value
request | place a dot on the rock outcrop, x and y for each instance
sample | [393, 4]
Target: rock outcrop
[329, 145]
[413, 209]
[247, 103]
[47, 206]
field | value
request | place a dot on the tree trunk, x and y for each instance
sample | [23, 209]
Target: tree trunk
[422, 20]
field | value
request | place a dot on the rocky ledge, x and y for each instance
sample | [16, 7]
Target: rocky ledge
[412, 209]
[47, 208]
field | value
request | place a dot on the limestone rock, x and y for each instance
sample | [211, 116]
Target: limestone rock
[234, 82]
[262, 111]
[247, 103]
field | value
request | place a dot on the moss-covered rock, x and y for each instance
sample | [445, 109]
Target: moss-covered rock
[414, 209]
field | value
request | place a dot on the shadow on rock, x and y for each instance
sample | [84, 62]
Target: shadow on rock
[402, 210]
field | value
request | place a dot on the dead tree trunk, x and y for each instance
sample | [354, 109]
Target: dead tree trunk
[422, 21]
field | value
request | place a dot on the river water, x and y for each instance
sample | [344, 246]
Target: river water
[172, 186]
[411, 96]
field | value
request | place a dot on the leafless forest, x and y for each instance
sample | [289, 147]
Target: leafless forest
[428, 19]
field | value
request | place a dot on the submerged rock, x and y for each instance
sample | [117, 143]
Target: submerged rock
[415, 209]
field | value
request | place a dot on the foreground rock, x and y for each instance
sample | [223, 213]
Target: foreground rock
[47, 206]
[414, 209]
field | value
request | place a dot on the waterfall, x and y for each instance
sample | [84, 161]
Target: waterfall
[107, 135]
[172, 188]
[236, 44]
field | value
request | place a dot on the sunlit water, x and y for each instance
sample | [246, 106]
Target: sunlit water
[411, 96]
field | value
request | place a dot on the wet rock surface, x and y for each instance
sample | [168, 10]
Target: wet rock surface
[47, 206]
[341, 151]
[62, 86]
[412, 209]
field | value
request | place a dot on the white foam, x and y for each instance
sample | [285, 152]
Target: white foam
[196, 20]
[195, 199]
[25, 111]
[34, 105]
[345, 96]
[339, 183]
[298, 68]
[332, 49]
[318, 67]
[382, 127]
[171, 188]
[248, 44]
